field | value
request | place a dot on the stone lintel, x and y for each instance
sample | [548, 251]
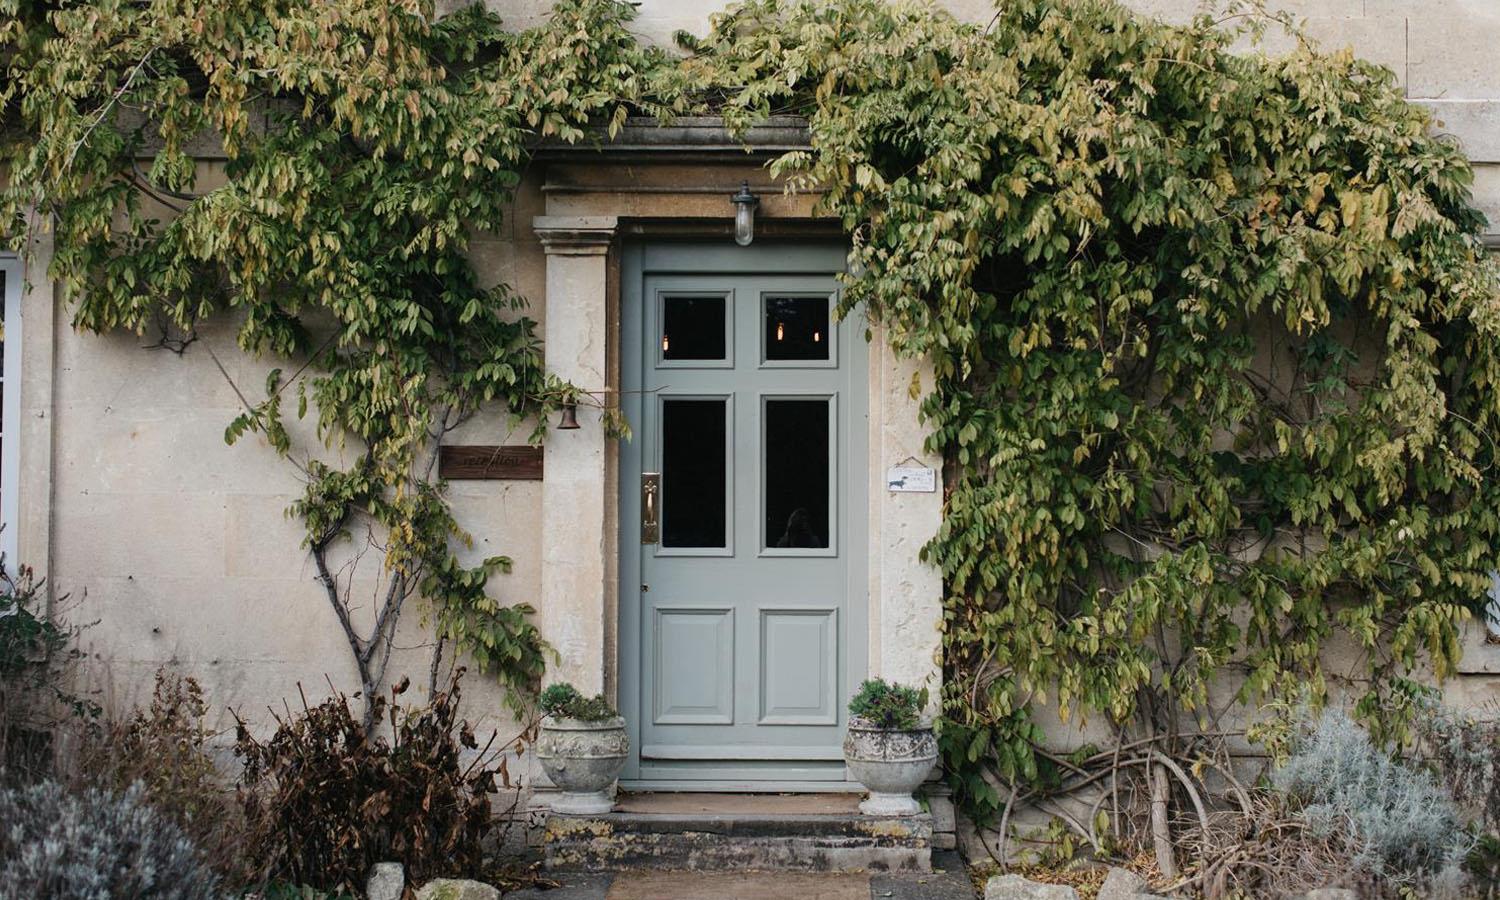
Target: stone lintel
[685, 137]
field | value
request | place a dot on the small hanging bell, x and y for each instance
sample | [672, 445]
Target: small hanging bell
[569, 419]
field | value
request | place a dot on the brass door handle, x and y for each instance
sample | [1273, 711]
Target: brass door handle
[650, 492]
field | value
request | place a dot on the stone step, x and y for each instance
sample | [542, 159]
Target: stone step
[738, 833]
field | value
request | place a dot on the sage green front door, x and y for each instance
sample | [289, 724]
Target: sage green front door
[742, 527]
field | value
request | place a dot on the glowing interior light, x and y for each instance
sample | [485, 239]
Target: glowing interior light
[666, 343]
[780, 331]
[817, 337]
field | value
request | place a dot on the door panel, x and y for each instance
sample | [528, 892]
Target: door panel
[798, 674]
[742, 626]
[694, 661]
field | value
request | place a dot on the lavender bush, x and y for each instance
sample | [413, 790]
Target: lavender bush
[1404, 830]
[94, 845]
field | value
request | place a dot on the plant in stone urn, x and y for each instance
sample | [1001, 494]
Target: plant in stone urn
[888, 747]
[582, 748]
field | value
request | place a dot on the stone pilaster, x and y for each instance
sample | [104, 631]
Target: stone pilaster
[576, 497]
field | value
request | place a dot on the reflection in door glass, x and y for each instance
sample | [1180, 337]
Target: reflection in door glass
[796, 479]
[692, 328]
[693, 473]
[796, 328]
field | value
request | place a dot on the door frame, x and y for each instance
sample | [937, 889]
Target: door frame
[823, 258]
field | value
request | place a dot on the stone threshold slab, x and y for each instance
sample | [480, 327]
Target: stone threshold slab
[738, 841]
[692, 803]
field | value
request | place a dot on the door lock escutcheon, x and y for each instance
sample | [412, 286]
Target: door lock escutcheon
[650, 498]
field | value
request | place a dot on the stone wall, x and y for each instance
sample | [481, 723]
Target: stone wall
[179, 547]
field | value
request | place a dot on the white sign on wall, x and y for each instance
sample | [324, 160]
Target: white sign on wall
[910, 479]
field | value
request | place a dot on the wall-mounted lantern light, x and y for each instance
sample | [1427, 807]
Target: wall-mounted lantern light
[744, 214]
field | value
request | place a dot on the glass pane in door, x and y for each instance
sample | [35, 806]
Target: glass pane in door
[694, 495]
[796, 473]
[796, 328]
[693, 328]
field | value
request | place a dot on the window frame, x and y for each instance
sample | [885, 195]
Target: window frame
[10, 411]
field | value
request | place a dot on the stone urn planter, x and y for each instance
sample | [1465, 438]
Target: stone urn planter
[888, 748]
[582, 748]
[890, 763]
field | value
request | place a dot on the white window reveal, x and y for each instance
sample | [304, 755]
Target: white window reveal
[1492, 610]
[10, 406]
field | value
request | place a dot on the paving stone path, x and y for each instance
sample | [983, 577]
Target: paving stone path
[947, 882]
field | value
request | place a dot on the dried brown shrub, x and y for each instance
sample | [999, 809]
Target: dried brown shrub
[326, 799]
[1262, 850]
[1464, 750]
[165, 748]
[38, 679]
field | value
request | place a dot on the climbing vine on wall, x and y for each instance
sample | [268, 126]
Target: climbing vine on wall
[1215, 346]
[1214, 338]
[363, 143]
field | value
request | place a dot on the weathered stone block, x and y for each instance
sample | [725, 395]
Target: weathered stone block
[1014, 887]
[386, 882]
[1476, 9]
[1471, 691]
[1381, 41]
[1181, 12]
[1452, 58]
[944, 821]
[1121, 884]
[943, 815]
[1475, 124]
[457, 889]
[1481, 655]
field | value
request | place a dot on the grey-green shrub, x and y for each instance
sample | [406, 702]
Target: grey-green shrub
[1465, 751]
[1404, 829]
[94, 845]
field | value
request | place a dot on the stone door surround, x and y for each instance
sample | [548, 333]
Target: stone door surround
[649, 184]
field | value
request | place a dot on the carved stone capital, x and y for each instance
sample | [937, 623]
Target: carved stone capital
[575, 235]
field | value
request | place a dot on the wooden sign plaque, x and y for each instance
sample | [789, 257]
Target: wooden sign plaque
[477, 462]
